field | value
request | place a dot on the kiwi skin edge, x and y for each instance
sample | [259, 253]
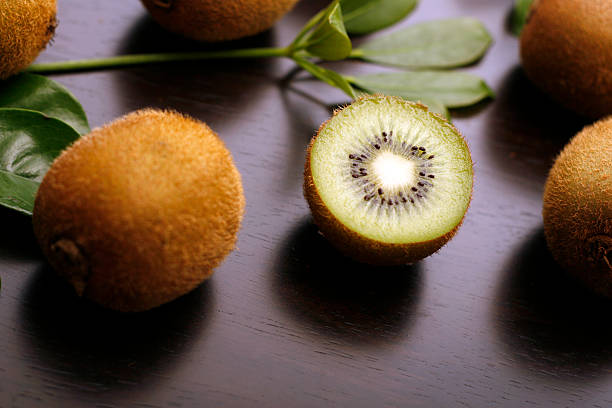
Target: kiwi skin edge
[577, 207]
[353, 244]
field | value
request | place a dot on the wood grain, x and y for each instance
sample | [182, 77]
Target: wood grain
[286, 321]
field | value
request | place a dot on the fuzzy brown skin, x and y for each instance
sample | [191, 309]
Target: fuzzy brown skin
[26, 26]
[140, 211]
[353, 244]
[215, 20]
[566, 50]
[577, 207]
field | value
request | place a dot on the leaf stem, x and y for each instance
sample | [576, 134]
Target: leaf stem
[356, 53]
[142, 59]
[313, 22]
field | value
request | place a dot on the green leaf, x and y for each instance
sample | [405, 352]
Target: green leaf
[29, 142]
[436, 44]
[452, 89]
[39, 93]
[328, 76]
[519, 15]
[433, 105]
[367, 16]
[17, 193]
[329, 39]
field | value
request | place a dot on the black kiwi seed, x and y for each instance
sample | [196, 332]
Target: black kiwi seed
[361, 161]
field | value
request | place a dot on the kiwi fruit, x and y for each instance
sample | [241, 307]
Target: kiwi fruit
[577, 210]
[140, 211]
[388, 182]
[566, 50]
[214, 20]
[26, 26]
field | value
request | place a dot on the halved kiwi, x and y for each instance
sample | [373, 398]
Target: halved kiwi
[387, 181]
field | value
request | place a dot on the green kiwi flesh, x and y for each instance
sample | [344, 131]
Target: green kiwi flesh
[387, 181]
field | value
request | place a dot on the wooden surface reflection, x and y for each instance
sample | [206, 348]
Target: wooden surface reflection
[286, 321]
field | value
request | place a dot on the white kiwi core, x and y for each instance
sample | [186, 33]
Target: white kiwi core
[392, 171]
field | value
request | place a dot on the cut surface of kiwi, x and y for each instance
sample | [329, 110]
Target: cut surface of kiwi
[577, 210]
[387, 180]
[26, 26]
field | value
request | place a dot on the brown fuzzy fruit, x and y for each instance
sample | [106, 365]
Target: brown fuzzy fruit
[140, 211]
[215, 20]
[26, 26]
[387, 181]
[566, 50]
[578, 207]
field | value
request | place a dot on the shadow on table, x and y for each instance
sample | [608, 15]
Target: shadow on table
[339, 298]
[212, 90]
[552, 326]
[526, 130]
[102, 349]
[17, 240]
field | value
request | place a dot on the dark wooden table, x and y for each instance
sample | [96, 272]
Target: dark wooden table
[489, 321]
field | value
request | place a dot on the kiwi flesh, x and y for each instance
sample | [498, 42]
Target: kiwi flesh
[566, 50]
[577, 210]
[26, 26]
[387, 181]
[140, 211]
[214, 20]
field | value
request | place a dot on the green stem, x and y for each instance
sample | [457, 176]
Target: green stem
[330, 77]
[142, 59]
[356, 53]
[313, 21]
[350, 79]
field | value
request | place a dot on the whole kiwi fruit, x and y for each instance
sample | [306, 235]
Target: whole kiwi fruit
[140, 211]
[577, 209]
[566, 50]
[214, 20]
[387, 181]
[26, 26]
